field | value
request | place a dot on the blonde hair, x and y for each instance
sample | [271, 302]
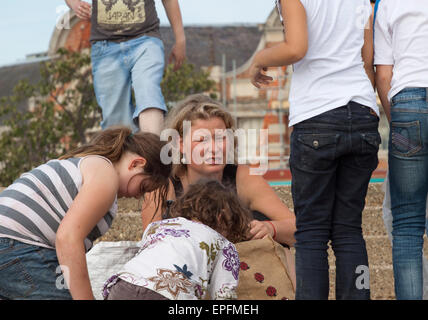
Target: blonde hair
[195, 107]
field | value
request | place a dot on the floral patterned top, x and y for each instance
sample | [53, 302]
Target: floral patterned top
[183, 260]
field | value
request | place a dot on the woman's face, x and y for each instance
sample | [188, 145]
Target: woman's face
[204, 148]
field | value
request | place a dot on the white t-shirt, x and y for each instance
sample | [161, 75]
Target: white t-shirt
[184, 260]
[401, 39]
[332, 72]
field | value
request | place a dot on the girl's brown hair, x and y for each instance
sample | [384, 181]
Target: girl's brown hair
[113, 142]
[215, 205]
[195, 107]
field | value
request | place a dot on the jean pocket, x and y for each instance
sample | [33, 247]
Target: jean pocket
[15, 282]
[405, 138]
[314, 151]
[370, 143]
[5, 245]
[49, 258]
[97, 48]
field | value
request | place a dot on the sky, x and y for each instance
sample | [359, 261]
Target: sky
[27, 25]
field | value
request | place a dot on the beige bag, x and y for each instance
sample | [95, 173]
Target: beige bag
[267, 271]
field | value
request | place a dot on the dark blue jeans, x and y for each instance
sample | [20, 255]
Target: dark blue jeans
[408, 174]
[332, 158]
[30, 272]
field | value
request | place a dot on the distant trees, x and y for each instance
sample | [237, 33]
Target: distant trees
[64, 109]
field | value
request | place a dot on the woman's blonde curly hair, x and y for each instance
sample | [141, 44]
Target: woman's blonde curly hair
[195, 107]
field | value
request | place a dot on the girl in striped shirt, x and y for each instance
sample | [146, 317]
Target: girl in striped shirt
[50, 216]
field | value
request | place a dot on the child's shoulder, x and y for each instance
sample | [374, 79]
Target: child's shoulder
[99, 166]
[95, 161]
[193, 228]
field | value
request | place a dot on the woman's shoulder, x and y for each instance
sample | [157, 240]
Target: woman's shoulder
[244, 177]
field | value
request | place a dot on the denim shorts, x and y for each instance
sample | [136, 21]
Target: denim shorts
[30, 272]
[118, 69]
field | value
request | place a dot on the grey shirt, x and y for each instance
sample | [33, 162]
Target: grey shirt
[121, 20]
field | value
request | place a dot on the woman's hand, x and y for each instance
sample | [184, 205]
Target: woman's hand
[258, 77]
[260, 229]
[258, 195]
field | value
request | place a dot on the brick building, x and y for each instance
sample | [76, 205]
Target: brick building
[225, 51]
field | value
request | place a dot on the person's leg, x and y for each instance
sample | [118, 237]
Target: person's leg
[408, 174]
[151, 120]
[30, 272]
[353, 177]
[112, 83]
[313, 169]
[147, 72]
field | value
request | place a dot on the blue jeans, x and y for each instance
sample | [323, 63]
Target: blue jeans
[332, 158]
[408, 174]
[30, 272]
[118, 68]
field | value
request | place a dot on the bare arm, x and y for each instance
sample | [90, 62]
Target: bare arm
[258, 195]
[94, 199]
[152, 210]
[383, 82]
[178, 52]
[367, 52]
[82, 9]
[290, 51]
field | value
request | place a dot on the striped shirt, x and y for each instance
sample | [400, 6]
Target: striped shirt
[32, 208]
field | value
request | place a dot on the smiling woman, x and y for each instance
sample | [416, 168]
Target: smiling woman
[207, 115]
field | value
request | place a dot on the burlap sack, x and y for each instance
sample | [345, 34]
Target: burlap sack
[267, 271]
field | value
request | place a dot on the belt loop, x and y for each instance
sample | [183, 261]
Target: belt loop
[349, 110]
[426, 95]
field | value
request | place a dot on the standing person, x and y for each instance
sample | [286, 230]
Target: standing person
[127, 54]
[51, 215]
[335, 138]
[401, 59]
[191, 253]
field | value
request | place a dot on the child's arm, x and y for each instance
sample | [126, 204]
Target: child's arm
[290, 51]
[383, 57]
[367, 51]
[383, 84]
[152, 210]
[178, 52]
[96, 196]
[258, 195]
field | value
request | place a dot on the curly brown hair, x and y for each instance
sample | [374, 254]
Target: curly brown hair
[215, 205]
